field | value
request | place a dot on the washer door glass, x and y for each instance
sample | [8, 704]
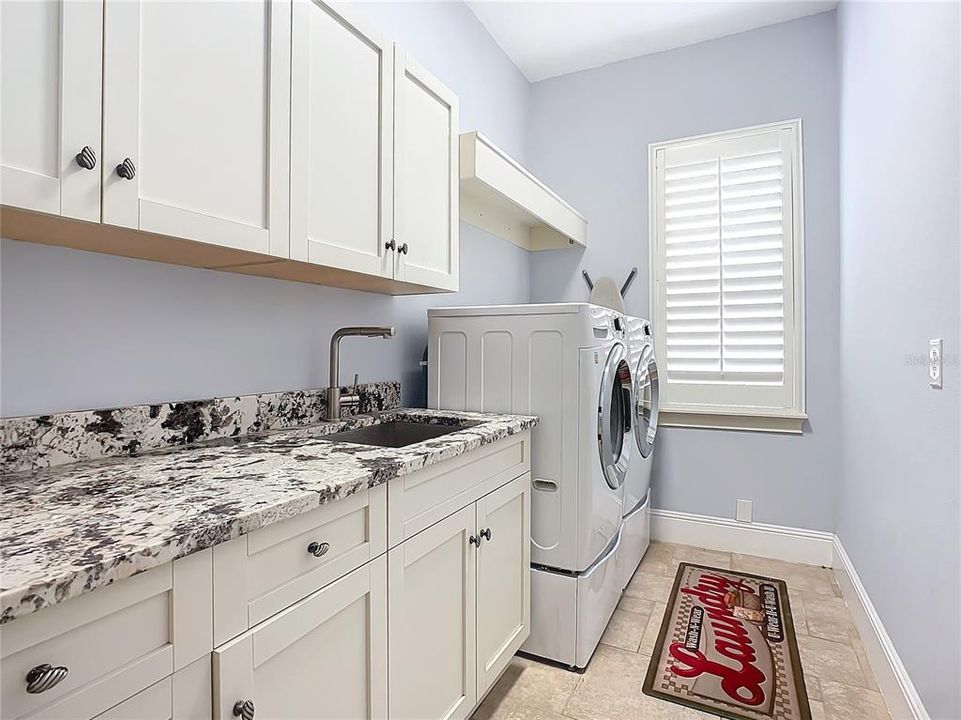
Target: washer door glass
[645, 401]
[614, 417]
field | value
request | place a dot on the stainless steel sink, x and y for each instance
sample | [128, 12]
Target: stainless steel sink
[393, 433]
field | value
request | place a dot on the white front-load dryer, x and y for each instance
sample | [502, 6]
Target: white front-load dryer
[605, 449]
[567, 363]
[636, 529]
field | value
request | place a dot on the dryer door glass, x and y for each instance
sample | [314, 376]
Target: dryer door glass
[645, 401]
[614, 421]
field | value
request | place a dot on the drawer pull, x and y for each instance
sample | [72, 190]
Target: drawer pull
[43, 677]
[87, 158]
[244, 709]
[486, 534]
[126, 169]
[318, 549]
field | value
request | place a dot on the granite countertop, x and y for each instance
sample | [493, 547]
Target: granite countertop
[70, 529]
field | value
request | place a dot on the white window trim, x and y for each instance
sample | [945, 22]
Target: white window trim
[762, 419]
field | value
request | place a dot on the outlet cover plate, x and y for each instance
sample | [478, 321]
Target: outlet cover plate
[745, 511]
[935, 362]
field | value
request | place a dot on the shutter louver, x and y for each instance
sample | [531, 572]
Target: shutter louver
[724, 248]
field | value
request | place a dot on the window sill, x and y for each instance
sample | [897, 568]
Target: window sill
[790, 424]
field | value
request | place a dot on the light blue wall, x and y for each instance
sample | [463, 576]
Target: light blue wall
[448, 39]
[589, 136]
[900, 237]
[81, 330]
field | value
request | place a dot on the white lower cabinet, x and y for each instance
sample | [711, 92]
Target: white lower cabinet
[503, 578]
[406, 607]
[432, 624]
[324, 657]
[459, 605]
[154, 703]
[185, 695]
[93, 652]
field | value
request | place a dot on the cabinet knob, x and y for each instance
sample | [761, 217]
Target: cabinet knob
[402, 249]
[43, 677]
[244, 709]
[486, 534]
[391, 245]
[87, 158]
[318, 549]
[126, 169]
[474, 540]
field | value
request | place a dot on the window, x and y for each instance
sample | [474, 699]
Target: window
[727, 278]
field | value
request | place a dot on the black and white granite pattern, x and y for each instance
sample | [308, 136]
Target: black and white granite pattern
[42, 441]
[65, 531]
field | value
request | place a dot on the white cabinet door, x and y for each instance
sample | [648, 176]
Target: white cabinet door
[325, 657]
[50, 61]
[341, 145]
[432, 622]
[196, 111]
[426, 177]
[503, 578]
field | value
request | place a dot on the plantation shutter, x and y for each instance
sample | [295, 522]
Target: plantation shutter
[724, 258]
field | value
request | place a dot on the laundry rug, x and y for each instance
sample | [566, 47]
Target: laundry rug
[727, 647]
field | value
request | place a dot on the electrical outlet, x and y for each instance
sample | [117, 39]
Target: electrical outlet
[935, 353]
[745, 511]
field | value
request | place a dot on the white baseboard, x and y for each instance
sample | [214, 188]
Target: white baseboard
[899, 692]
[811, 547]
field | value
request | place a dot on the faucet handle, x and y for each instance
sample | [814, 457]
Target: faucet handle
[352, 398]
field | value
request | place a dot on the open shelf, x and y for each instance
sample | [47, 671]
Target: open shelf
[499, 195]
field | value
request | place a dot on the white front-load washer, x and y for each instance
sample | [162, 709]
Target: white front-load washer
[567, 363]
[636, 530]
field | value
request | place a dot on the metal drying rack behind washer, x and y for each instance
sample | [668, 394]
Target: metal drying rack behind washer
[605, 291]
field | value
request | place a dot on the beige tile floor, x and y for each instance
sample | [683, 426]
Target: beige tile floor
[841, 685]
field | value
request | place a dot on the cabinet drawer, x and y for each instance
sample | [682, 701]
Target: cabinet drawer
[427, 496]
[260, 574]
[154, 703]
[112, 642]
[185, 695]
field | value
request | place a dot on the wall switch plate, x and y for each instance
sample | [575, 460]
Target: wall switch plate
[935, 362]
[745, 511]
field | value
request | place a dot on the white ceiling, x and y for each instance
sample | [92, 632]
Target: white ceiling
[549, 38]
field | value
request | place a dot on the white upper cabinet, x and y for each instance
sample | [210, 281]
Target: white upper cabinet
[426, 177]
[341, 154]
[51, 91]
[196, 115]
[285, 138]
[374, 161]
